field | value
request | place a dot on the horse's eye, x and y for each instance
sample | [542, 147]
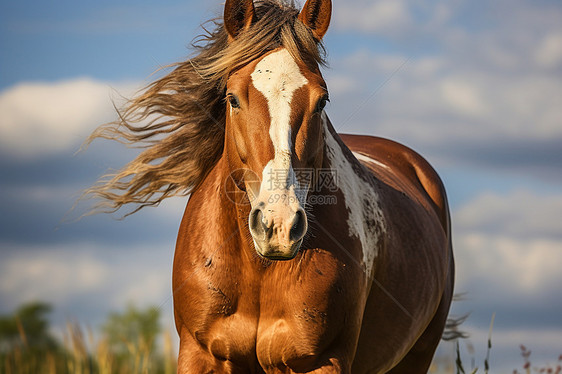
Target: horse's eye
[233, 100]
[321, 104]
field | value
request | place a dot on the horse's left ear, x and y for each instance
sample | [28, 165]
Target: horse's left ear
[316, 14]
[238, 16]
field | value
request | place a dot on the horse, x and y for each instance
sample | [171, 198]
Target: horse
[301, 250]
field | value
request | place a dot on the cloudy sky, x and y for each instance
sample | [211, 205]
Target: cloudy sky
[475, 86]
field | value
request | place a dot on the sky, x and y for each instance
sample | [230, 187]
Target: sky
[474, 86]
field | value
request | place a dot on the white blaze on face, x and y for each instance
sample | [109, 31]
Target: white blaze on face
[277, 76]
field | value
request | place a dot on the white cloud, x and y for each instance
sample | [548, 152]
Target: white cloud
[372, 16]
[440, 100]
[520, 213]
[509, 247]
[463, 97]
[72, 273]
[495, 265]
[55, 274]
[401, 19]
[549, 51]
[85, 281]
[508, 251]
[45, 118]
[486, 88]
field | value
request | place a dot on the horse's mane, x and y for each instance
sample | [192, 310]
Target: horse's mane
[180, 118]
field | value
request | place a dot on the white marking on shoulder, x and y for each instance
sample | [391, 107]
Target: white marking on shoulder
[362, 157]
[366, 221]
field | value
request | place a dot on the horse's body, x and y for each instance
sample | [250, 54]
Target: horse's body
[319, 312]
[361, 223]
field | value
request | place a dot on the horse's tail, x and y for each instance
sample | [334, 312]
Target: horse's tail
[452, 326]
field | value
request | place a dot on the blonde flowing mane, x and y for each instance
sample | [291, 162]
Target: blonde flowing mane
[180, 118]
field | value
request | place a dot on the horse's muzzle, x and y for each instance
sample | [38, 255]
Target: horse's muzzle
[277, 234]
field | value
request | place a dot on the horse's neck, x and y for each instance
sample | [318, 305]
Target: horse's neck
[231, 206]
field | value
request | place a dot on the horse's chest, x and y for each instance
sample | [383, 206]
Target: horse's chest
[294, 331]
[286, 314]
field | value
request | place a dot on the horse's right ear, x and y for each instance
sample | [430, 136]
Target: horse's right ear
[316, 15]
[238, 16]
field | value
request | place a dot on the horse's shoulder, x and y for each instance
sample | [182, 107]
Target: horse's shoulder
[398, 166]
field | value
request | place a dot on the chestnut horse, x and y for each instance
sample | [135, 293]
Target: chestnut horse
[301, 250]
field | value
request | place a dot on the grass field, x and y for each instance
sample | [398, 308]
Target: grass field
[81, 354]
[132, 342]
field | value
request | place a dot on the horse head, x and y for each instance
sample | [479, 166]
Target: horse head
[274, 130]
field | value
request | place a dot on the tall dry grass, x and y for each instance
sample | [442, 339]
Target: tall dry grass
[81, 353]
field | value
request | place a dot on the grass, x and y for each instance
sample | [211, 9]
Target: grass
[80, 353]
[441, 366]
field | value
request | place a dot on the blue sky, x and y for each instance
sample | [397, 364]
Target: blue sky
[474, 86]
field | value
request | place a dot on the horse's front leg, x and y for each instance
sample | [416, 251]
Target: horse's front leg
[331, 363]
[332, 366]
[194, 358]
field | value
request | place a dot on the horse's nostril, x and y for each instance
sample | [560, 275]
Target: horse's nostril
[298, 229]
[257, 227]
